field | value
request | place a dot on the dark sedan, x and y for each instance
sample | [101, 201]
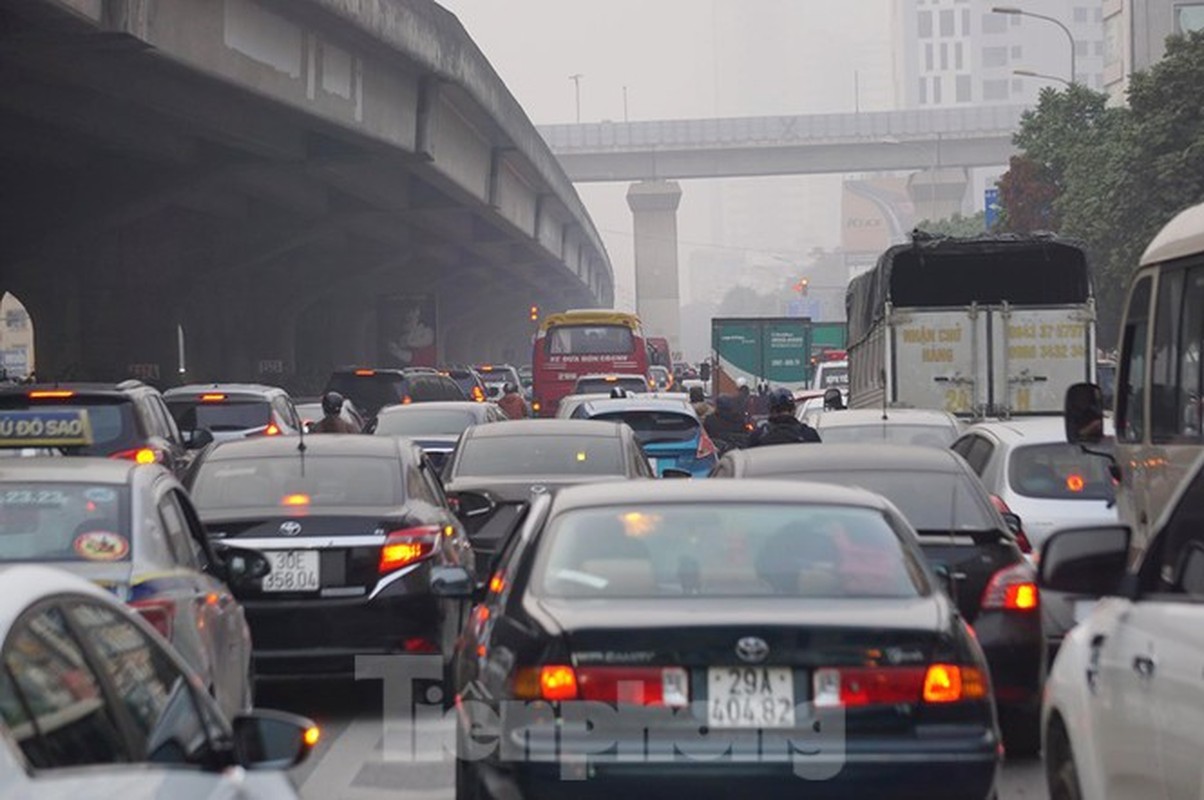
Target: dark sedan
[962, 534]
[720, 639]
[496, 468]
[435, 427]
[352, 526]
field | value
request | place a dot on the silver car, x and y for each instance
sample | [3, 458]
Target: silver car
[1050, 484]
[94, 704]
[131, 529]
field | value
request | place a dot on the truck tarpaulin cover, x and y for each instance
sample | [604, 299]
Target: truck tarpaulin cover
[951, 273]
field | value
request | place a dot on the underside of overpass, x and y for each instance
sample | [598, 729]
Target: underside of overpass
[175, 166]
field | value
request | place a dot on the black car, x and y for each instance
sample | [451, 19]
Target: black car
[719, 639]
[232, 410]
[127, 420]
[435, 427]
[496, 469]
[962, 534]
[352, 526]
[373, 389]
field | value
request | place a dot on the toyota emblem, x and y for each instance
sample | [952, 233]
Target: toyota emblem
[752, 649]
[290, 528]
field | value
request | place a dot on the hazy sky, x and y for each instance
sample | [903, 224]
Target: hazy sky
[694, 58]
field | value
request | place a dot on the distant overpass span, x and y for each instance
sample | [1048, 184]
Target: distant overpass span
[792, 145]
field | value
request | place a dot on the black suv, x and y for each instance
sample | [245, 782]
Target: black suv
[128, 420]
[373, 389]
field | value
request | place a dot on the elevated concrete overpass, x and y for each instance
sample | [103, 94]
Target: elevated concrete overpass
[258, 174]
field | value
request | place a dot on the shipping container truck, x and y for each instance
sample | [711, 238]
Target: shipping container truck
[775, 350]
[989, 326]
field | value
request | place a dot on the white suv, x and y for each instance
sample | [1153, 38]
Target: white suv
[1123, 715]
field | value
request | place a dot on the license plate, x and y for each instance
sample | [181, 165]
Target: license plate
[750, 697]
[292, 571]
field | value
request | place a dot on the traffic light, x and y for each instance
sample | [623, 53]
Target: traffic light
[535, 313]
[801, 286]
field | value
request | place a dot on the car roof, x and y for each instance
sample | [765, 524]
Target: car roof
[1029, 430]
[435, 405]
[83, 388]
[316, 445]
[83, 468]
[27, 584]
[639, 403]
[638, 492]
[898, 416]
[839, 457]
[223, 388]
[547, 427]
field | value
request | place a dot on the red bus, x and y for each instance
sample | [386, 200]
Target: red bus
[573, 344]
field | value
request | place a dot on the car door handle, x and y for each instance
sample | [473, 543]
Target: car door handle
[1144, 666]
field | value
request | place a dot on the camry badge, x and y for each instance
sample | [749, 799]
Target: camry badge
[752, 649]
[290, 528]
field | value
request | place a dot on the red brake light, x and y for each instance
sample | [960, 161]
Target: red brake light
[557, 682]
[50, 394]
[408, 546]
[1012, 589]
[271, 430]
[295, 500]
[1075, 483]
[365, 373]
[159, 613]
[706, 447]
[852, 687]
[405, 401]
[478, 395]
[213, 398]
[139, 455]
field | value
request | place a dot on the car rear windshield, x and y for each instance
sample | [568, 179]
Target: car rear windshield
[370, 393]
[51, 521]
[496, 456]
[938, 436]
[192, 415]
[833, 376]
[603, 386]
[590, 340]
[114, 428]
[298, 482]
[652, 427]
[713, 550]
[1059, 471]
[418, 421]
[930, 501]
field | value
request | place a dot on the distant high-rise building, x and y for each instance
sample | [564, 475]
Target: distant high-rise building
[1135, 33]
[960, 52]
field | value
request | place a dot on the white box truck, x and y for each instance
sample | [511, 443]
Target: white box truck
[994, 326]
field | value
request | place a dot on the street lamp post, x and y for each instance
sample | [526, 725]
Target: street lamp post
[576, 79]
[1019, 12]
[1028, 73]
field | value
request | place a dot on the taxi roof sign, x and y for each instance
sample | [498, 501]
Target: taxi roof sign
[45, 427]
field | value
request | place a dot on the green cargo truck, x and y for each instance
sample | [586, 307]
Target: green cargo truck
[776, 350]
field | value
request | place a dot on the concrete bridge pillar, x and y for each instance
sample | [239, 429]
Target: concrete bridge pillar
[938, 193]
[658, 297]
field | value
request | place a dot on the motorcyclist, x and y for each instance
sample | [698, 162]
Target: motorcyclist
[782, 427]
[727, 426]
[512, 403]
[698, 400]
[333, 420]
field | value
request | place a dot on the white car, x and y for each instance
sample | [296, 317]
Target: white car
[93, 703]
[1046, 481]
[1123, 713]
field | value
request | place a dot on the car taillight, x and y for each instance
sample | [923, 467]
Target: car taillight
[271, 430]
[706, 448]
[646, 686]
[854, 687]
[140, 455]
[159, 613]
[478, 394]
[409, 546]
[1011, 589]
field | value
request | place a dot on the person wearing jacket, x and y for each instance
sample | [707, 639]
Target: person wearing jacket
[727, 426]
[782, 427]
[512, 403]
[333, 420]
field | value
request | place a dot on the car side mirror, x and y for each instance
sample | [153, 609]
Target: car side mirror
[272, 739]
[200, 439]
[242, 566]
[452, 582]
[1084, 414]
[1189, 573]
[1085, 561]
[674, 472]
[1014, 523]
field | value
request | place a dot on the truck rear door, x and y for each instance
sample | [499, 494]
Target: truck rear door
[939, 359]
[1036, 354]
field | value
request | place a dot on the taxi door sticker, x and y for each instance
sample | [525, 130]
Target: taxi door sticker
[101, 546]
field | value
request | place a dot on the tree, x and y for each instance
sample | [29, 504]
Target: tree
[1027, 193]
[957, 225]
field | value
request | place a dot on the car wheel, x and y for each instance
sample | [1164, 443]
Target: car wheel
[1021, 733]
[1061, 774]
